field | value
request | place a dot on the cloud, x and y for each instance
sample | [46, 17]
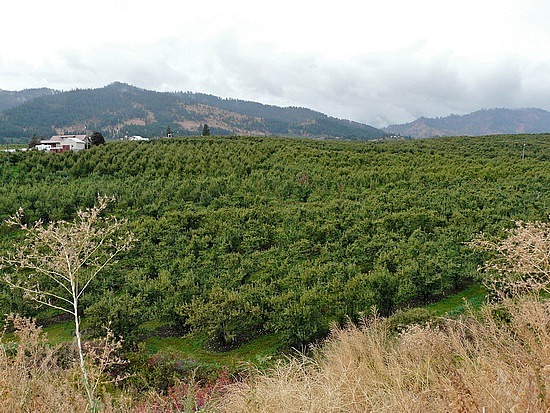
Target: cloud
[377, 89]
[333, 59]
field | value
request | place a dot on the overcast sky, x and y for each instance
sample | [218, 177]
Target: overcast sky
[378, 62]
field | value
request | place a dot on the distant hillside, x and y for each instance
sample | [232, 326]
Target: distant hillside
[9, 99]
[482, 122]
[119, 109]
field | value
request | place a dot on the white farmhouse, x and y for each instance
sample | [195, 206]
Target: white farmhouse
[138, 138]
[63, 143]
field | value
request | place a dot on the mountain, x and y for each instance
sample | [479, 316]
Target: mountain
[120, 109]
[482, 122]
[9, 99]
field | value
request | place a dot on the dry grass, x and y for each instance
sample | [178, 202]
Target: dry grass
[493, 361]
[33, 379]
[30, 379]
[473, 364]
[36, 377]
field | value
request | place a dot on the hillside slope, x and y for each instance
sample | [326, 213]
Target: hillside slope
[11, 99]
[481, 122]
[120, 109]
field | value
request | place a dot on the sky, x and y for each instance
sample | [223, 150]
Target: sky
[375, 62]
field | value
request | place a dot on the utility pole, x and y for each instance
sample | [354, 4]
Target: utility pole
[523, 152]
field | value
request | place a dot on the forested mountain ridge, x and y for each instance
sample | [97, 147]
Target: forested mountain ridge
[481, 122]
[120, 109]
[11, 99]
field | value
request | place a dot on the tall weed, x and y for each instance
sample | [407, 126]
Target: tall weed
[472, 364]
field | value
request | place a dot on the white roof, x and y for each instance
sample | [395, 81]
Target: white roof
[62, 137]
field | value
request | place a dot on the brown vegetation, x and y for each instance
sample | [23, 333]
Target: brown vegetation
[521, 262]
[473, 364]
[36, 377]
[31, 376]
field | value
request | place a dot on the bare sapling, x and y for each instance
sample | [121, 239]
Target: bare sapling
[521, 261]
[57, 262]
[102, 353]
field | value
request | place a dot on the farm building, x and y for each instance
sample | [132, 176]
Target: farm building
[63, 143]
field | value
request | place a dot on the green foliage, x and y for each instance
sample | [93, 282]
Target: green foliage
[472, 297]
[34, 141]
[229, 317]
[415, 316]
[96, 138]
[121, 312]
[240, 237]
[163, 369]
